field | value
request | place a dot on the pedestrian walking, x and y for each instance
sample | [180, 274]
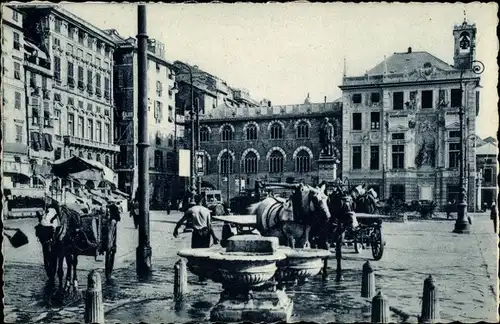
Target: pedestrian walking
[494, 216]
[200, 219]
[169, 206]
[134, 209]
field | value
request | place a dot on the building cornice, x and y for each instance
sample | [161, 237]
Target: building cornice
[405, 83]
[73, 19]
[270, 117]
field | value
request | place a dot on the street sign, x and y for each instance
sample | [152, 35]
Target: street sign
[200, 159]
[184, 163]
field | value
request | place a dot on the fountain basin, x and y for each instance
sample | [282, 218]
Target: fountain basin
[245, 270]
[200, 263]
[301, 263]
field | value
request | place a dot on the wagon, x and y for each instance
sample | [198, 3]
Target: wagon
[106, 225]
[369, 233]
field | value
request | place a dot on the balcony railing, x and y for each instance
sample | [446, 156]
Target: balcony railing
[95, 144]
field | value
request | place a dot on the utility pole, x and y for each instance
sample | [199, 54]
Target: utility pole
[143, 252]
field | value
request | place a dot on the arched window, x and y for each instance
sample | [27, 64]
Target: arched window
[276, 131]
[227, 133]
[276, 162]
[250, 163]
[302, 130]
[204, 134]
[106, 161]
[89, 156]
[226, 163]
[302, 162]
[251, 132]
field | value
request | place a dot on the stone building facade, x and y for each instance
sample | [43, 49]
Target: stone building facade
[15, 159]
[271, 143]
[162, 128]
[401, 123]
[79, 57]
[487, 165]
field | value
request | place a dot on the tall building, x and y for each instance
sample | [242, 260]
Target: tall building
[81, 101]
[162, 117]
[487, 182]
[15, 159]
[401, 123]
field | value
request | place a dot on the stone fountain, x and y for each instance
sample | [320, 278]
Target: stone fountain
[250, 269]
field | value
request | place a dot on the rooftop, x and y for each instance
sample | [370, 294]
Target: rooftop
[408, 62]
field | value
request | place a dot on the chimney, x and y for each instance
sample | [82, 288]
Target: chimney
[409, 50]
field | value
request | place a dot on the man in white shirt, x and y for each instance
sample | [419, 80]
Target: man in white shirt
[200, 219]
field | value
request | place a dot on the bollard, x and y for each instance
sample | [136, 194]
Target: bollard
[430, 303]
[380, 309]
[367, 281]
[180, 279]
[94, 307]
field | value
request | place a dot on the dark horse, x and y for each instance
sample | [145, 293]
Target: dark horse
[342, 206]
[68, 239]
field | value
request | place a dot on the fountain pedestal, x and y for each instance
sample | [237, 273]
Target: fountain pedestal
[248, 269]
[254, 306]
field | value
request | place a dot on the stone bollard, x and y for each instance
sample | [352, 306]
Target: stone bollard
[367, 281]
[380, 309]
[430, 303]
[180, 279]
[94, 307]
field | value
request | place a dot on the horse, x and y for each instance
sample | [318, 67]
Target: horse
[341, 205]
[66, 242]
[367, 202]
[291, 219]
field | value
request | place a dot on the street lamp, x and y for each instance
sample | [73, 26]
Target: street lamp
[462, 223]
[194, 143]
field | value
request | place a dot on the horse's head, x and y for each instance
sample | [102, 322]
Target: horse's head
[342, 206]
[48, 221]
[312, 201]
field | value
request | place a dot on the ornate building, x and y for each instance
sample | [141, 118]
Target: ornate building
[79, 56]
[272, 143]
[161, 119]
[15, 159]
[401, 123]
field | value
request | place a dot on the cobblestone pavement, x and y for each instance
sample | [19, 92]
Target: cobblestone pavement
[464, 267]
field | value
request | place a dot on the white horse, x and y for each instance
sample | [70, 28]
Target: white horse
[291, 220]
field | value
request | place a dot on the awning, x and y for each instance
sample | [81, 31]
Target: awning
[37, 51]
[19, 148]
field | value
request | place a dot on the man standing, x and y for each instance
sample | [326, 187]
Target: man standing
[199, 217]
[494, 216]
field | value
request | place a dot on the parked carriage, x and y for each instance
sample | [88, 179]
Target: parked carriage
[98, 215]
[369, 233]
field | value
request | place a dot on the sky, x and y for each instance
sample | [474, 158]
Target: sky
[282, 52]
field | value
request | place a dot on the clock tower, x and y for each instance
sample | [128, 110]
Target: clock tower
[465, 45]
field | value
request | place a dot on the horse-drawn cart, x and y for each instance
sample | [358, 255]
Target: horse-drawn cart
[89, 214]
[369, 232]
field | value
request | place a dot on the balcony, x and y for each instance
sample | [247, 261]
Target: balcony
[106, 95]
[36, 62]
[90, 89]
[71, 83]
[71, 140]
[98, 92]
[81, 85]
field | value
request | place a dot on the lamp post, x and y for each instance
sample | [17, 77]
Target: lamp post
[462, 224]
[143, 252]
[194, 144]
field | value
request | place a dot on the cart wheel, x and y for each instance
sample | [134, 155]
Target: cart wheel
[377, 243]
[111, 250]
